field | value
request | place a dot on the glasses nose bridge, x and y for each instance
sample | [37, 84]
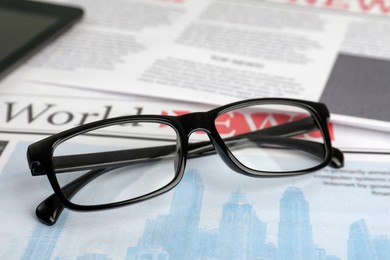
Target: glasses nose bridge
[193, 122]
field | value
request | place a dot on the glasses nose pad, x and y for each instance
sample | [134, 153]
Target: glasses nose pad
[224, 154]
[176, 159]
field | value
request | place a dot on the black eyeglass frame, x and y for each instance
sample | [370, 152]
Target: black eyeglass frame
[40, 154]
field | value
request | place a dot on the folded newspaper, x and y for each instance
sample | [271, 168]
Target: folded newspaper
[217, 51]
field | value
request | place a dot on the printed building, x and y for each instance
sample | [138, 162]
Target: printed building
[295, 241]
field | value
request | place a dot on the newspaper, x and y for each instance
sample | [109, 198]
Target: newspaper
[218, 51]
[214, 213]
[374, 7]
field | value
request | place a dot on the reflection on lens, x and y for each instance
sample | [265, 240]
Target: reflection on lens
[272, 137]
[137, 158]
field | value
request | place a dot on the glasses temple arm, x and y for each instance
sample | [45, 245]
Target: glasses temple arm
[49, 210]
[295, 128]
[115, 159]
[125, 157]
[310, 147]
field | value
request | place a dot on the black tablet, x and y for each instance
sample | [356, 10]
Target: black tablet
[25, 26]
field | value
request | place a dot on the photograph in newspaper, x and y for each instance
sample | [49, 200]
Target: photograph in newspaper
[3, 144]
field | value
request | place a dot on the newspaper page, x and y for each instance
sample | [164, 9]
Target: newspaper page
[218, 51]
[214, 213]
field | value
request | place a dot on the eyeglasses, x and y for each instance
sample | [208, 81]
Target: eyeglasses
[146, 154]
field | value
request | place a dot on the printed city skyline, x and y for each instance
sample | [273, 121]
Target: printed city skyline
[241, 234]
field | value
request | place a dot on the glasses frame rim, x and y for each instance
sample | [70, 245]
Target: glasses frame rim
[318, 110]
[40, 153]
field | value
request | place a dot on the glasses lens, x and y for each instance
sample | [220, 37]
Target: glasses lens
[273, 137]
[117, 162]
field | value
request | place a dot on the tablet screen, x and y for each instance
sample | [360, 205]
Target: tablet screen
[24, 27]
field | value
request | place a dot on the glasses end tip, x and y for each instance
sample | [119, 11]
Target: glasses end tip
[49, 210]
[337, 159]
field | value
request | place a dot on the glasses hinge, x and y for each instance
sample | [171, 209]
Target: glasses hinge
[37, 168]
